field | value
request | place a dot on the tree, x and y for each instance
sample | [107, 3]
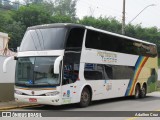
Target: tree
[109, 24]
[31, 15]
[62, 7]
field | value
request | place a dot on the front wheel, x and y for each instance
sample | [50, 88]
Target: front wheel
[85, 98]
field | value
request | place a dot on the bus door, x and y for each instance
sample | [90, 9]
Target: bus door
[70, 76]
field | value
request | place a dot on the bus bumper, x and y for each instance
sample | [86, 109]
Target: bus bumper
[47, 100]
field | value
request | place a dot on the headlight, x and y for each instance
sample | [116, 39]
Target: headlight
[18, 92]
[52, 93]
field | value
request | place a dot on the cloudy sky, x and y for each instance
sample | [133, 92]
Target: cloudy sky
[148, 18]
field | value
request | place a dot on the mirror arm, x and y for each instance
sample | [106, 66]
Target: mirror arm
[56, 64]
[6, 62]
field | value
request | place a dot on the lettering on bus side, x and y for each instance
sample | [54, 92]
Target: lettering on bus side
[107, 57]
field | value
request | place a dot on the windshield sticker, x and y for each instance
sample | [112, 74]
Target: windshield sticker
[107, 57]
[30, 82]
[68, 93]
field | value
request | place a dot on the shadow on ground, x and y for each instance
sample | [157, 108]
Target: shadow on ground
[94, 103]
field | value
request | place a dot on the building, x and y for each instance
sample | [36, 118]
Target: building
[4, 51]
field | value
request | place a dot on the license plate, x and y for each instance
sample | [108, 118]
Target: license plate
[32, 100]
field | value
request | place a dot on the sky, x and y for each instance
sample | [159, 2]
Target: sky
[150, 17]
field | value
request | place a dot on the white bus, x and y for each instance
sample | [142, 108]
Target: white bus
[69, 63]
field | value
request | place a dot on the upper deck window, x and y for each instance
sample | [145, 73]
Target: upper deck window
[44, 39]
[108, 42]
[75, 38]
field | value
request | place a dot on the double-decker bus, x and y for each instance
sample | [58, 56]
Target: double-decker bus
[69, 63]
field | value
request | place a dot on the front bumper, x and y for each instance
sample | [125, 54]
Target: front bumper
[47, 100]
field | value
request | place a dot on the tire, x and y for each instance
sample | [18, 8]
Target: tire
[85, 98]
[143, 92]
[137, 92]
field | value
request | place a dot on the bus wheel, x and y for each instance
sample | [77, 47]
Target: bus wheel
[137, 92]
[143, 91]
[85, 98]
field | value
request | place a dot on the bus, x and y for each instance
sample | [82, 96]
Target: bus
[68, 63]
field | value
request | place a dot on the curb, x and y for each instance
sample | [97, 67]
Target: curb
[15, 107]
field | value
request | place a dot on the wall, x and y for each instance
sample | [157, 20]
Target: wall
[7, 80]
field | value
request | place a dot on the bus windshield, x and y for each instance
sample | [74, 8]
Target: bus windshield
[44, 39]
[36, 71]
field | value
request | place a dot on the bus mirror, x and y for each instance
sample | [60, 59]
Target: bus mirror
[5, 63]
[56, 64]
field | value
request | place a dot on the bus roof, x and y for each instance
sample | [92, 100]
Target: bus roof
[55, 25]
[87, 27]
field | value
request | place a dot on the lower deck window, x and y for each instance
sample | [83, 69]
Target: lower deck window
[100, 72]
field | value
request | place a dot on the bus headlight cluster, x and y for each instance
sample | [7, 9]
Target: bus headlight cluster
[18, 92]
[52, 93]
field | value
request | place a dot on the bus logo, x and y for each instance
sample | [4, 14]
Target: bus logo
[107, 57]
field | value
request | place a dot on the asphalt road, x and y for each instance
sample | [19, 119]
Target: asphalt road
[150, 103]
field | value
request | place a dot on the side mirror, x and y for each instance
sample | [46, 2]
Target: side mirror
[56, 64]
[5, 63]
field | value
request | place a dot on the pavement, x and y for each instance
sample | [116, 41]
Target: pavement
[14, 105]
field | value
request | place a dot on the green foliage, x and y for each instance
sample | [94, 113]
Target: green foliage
[15, 23]
[32, 15]
[65, 8]
[62, 8]
[61, 19]
[14, 29]
[109, 24]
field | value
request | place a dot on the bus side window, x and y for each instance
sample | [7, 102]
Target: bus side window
[93, 72]
[75, 38]
[108, 72]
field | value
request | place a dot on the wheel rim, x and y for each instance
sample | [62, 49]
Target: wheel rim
[85, 97]
[137, 92]
[143, 91]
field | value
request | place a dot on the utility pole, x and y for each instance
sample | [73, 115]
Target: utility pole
[123, 17]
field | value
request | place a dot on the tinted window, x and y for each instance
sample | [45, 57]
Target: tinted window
[71, 67]
[119, 72]
[93, 72]
[75, 38]
[109, 42]
[99, 72]
[43, 39]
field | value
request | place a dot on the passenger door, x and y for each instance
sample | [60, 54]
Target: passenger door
[70, 75]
